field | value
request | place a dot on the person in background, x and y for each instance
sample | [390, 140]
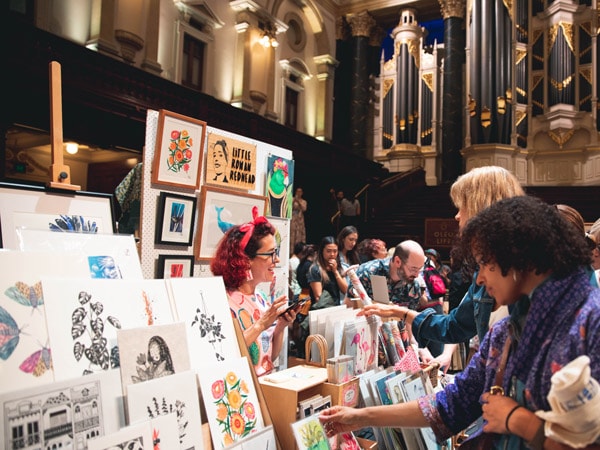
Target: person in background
[349, 210]
[576, 220]
[528, 258]
[297, 226]
[370, 249]
[325, 276]
[245, 257]
[594, 235]
[346, 242]
[294, 262]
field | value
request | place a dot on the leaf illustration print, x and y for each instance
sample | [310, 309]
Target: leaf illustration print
[209, 328]
[89, 335]
[9, 334]
[26, 295]
[38, 362]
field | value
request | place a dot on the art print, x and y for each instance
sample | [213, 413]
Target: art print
[413, 389]
[25, 351]
[344, 441]
[61, 415]
[221, 210]
[261, 440]
[279, 188]
[178, 153]
[147, 353]
[108, 255]
[175, 219]
[86, 315]
[231, 402]
[201, 303]
[133, 437]
[176, 394]
[310, 434]
[175, 266]
[361, 342]
[34, 208]
[230, 163]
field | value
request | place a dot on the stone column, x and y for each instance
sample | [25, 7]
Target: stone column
[150, 62]
[103, 28]
[326, 65]
[361, 25]
[453, 12]
[130, 16]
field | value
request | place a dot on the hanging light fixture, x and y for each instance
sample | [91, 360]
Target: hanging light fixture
[71, 147]
[268, 38]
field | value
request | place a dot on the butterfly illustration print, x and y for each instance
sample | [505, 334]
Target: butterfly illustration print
[26, 295]
[38, 362]
[9, 334]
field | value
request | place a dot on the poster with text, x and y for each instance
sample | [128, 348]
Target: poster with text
[230, 163]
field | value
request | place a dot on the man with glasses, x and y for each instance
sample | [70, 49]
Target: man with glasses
[401, 272]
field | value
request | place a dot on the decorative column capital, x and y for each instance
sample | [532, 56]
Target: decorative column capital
[342, 31]
[376, 37]
[361, 24]
[453, 8]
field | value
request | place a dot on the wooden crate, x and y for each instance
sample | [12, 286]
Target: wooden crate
[282, 392]
[344, 394]
[367, 444]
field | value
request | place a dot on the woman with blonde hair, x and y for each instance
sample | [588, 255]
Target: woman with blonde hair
[471, 193]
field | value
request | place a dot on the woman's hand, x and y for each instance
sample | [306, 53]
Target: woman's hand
[332, 265]
[495, 410]
[340, 419]
[271, 314]
[382, 310]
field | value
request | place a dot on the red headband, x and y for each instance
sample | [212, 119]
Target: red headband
[248, 228]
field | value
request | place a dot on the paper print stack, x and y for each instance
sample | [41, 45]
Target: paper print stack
[86, 314]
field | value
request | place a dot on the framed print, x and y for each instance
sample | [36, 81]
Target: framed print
[39, 208]
[230, 163]
[178, 151]
[280, 186]
[220, 210]
[175, 266]
[175, 219]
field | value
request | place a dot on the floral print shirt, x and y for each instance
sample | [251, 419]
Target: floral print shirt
[403, 294]
[247, 309]
[562, 323]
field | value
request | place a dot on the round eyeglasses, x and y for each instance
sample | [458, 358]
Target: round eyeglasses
[274, 254]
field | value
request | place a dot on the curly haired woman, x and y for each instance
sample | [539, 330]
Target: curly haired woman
[246, 257]
[528, 257]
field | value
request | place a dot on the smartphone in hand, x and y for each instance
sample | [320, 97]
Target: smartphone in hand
[295, 306]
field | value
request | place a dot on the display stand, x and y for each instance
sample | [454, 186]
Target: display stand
[59, 172]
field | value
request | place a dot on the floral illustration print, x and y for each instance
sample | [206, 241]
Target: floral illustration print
[180, 153]
[163, 408]
[235, 414]
[312, 435]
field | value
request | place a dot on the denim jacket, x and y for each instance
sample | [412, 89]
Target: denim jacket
[471, 317]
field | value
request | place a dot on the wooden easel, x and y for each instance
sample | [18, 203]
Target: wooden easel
[59, 172]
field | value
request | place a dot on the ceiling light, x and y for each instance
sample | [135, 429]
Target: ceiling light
[72, 147]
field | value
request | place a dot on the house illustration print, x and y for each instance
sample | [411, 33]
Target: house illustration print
[65, 418]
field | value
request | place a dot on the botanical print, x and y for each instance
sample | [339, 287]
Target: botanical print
[60, 415]
[201, 303]
[230, 400]
[152, 352]
[74, 224]
[86, 315]
[310, 435]
[104, 266]
[165, 432]
[279, 186]
[25, 352]
[344, 441]
[179, 154]
[120, 248]
[134, 437]
[260, 440]
[176, 394]
[414, 387]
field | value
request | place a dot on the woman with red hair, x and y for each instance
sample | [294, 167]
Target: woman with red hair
[246, 257]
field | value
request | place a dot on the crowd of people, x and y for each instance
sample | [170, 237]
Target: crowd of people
[520, 285]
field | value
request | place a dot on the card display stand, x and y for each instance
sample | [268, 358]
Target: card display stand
[343, 394]
[282, 393]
